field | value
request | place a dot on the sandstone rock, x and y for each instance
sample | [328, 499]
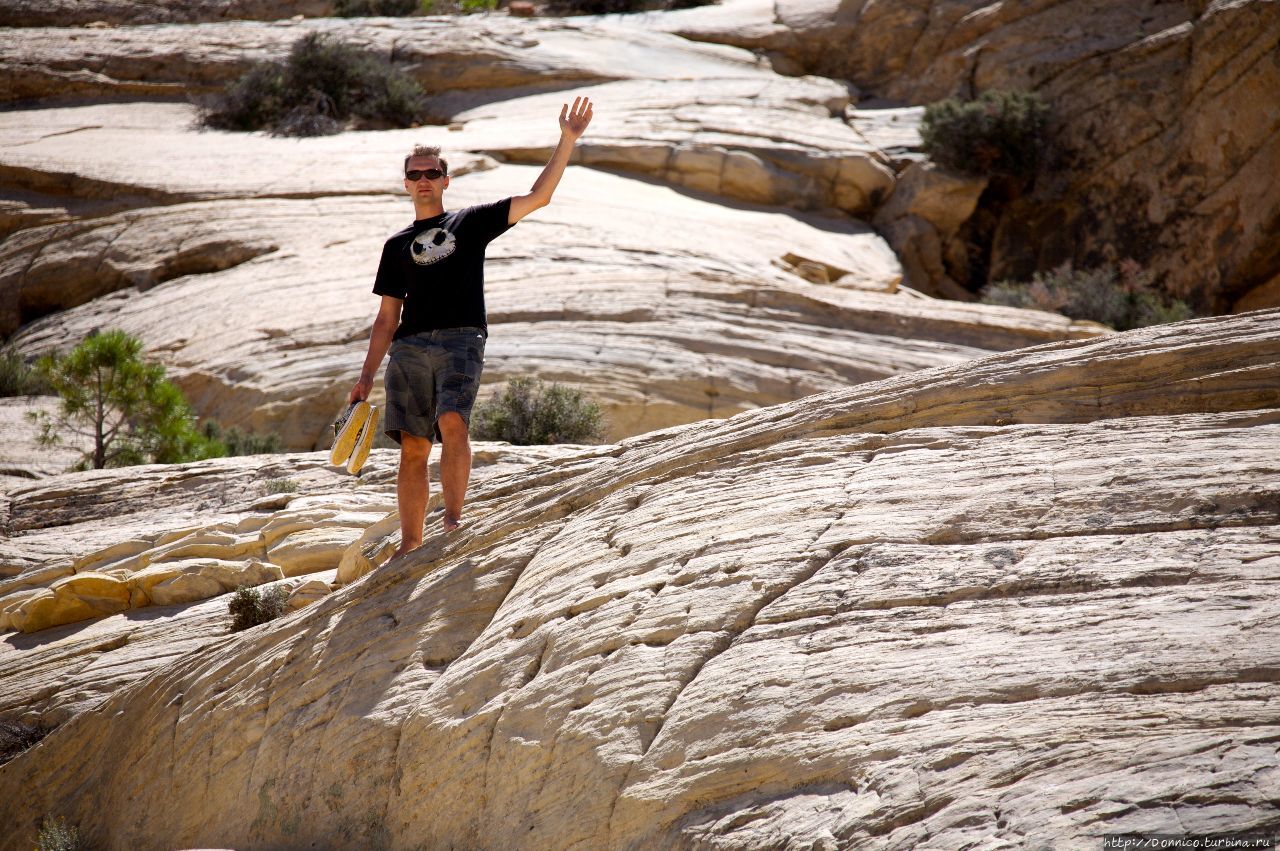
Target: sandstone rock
[761, 141]
[307, 593]
[312, 550]
[51, 268]
[1259, 298]
[477, 53]
[1036, 584]
[628, 276]
[1162, 112]
[69, 599]
[104, 13]
[157, 530]
[21, 457]
[922, 217]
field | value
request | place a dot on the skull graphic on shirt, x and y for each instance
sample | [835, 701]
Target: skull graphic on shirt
[431, 246]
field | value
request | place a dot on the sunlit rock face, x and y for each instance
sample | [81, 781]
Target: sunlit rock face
[990, 602]
[251, 280]
[1164, 117]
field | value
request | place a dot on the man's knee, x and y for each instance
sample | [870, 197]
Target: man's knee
[452, 426]
[414, 449]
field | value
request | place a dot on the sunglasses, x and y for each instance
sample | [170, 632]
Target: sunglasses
[430, 174]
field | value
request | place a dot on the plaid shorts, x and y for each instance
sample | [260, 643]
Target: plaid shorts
[431, 373]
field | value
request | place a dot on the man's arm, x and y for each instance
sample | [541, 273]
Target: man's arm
[384, 328]
[572, 123]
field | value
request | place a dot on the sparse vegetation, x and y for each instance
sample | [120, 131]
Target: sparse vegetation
[607, 7]
[528, 412]
[322, 87]
[17, 736]
[17, 377]
[253, 606]
[1120, 296]
[122, 404]
[377, 8]
[1000, 133]
[233, 441]
[272, 486]
[55, 835]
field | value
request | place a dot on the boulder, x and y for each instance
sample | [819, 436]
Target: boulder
[922, 220]
[69, 599]
[307, 593]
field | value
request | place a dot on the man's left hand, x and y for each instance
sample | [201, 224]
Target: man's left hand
[574, 121]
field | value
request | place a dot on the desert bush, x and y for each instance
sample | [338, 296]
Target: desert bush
[253, 606]
[233, 441]
[274, 486]
[376, 8]
[528, 412]
[1000, 133]
[17, 736]
[1120, 296]
[608, 7]
[56, 836]
[17, 377]
[322, 87]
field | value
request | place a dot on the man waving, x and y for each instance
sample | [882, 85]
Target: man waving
[432, 318]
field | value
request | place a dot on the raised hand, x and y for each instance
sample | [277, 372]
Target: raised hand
[573, 122]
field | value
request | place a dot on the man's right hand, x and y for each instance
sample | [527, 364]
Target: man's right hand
[360, 392]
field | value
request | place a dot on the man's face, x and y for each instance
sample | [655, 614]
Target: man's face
[424, 188]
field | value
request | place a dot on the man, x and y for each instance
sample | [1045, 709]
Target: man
[432, 317]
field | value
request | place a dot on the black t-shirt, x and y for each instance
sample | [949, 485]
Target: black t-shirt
[437, 266]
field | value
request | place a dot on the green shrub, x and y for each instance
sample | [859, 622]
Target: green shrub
[17, 377]
[123, 405]
[323, 87]
[233, 441]
[17, 736]
[273, 486]
[1000, 133]
[609, 7]
[1120, 296]
[528, 412]
[375, 8]
[56, 836]
[252, 606]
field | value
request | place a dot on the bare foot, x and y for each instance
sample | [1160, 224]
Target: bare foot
[451, 523]
[402, 549]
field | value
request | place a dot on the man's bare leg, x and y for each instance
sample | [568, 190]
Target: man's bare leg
[455, 466]
[413, 487]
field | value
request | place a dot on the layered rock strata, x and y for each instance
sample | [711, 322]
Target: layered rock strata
[621, 286]
[88, 545]
[1163, 117]
[1022, 600]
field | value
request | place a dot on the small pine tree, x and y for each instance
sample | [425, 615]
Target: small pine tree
[123, 404]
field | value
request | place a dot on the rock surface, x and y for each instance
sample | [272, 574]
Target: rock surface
[622, 286]
[71, 13]
[1164, 115]
[86, 545]
[1024, 600]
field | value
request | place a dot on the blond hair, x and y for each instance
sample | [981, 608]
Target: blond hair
[427, 151]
